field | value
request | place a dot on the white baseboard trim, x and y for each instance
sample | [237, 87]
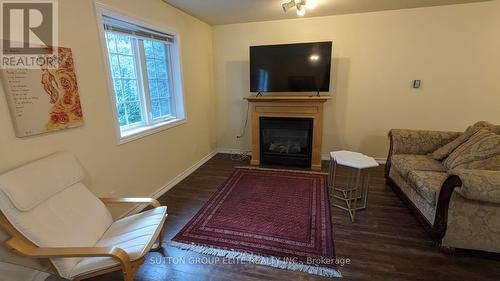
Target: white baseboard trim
[157, 194]
[325, 157]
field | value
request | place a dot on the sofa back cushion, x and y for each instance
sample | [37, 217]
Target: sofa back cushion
[495, 129]
[481, 145]
[52, 210]
[492, 164]
[445, 150]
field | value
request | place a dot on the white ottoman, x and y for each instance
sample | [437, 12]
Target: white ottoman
[352, 196]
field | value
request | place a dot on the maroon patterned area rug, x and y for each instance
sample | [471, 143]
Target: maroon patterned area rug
[274, 218]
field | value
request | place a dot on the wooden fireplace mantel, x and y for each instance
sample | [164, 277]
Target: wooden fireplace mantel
[288, 106]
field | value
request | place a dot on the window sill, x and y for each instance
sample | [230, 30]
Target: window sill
[141, 132]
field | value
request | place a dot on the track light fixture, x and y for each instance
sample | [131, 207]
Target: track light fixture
[300, 5]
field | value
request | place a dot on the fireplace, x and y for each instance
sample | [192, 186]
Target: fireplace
[296, 108]
[286, 141]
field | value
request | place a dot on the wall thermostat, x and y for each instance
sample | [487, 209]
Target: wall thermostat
[417, 84]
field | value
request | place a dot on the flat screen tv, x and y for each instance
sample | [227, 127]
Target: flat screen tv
[301, 67]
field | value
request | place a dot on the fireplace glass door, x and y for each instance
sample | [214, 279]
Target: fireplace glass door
[286, 141]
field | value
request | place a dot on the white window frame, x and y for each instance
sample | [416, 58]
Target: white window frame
[140, 130]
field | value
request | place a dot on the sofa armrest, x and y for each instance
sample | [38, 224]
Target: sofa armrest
[480, 185]
[419, 142]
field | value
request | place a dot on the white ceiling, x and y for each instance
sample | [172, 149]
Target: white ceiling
[217, 12]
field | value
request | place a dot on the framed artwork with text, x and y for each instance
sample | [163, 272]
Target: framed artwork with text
[44, 99]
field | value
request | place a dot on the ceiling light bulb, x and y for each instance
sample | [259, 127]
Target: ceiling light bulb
[311, 4]
[301, 11]
[288, 5]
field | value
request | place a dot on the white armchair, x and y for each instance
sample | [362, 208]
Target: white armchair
[49, 213]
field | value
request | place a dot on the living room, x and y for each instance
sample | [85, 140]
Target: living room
[161, 109]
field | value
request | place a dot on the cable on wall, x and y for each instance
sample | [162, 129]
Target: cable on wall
[244, 155]
[243, 132]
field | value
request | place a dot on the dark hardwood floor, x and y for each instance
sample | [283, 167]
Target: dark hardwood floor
[385, 243]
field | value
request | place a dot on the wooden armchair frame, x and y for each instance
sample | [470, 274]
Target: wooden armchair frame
[23, 246]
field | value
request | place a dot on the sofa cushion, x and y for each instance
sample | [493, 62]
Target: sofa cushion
[427, 184]
[444, 151]
[405, 163]
[495, 129]
[482, 145]
[490, 127]
[492, 163]
[448, 148]
[133, 234]
[428, 210]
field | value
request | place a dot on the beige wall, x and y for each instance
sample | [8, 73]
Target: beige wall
[141, 167]
[455, 50]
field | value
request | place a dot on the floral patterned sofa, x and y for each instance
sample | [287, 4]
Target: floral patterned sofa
[451, 181]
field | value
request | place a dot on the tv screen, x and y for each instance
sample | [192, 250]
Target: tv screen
[291, 68]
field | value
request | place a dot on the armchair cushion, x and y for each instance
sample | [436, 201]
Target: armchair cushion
[405, 163]
[481, 185]
[72, 218]
[134, 234]
[31, 184]
[482, 145]
[50, 209]
[428, 184]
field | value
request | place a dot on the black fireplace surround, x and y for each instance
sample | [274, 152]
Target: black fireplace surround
[286, 141]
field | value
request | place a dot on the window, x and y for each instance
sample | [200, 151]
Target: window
[144, 65]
